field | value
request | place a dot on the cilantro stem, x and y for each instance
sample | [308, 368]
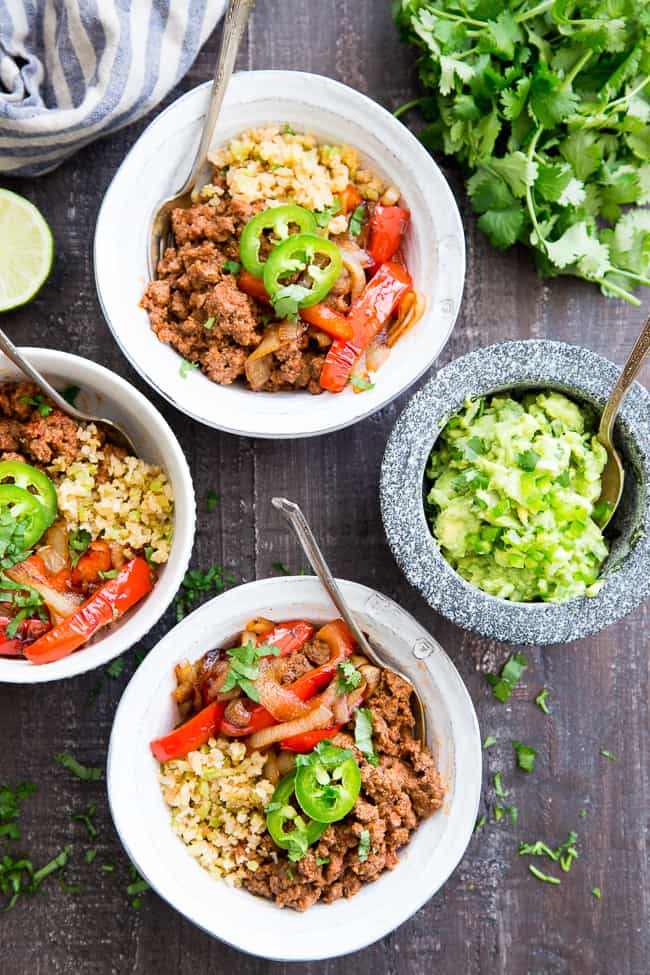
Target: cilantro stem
[614, 288]
[409, 105]
[630, 274]
[546, 878]
[576, 69]
[534, 11]
[529, 190]
[466, 20]
[627, 96]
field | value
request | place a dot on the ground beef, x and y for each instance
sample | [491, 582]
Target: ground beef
[292, 667]
[193, 289]
[317, 651]
[395, 795]
[25, 434]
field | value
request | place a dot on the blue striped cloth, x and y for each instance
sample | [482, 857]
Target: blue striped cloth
[74, 70]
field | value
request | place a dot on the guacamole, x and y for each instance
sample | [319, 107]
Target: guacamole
[512, 492]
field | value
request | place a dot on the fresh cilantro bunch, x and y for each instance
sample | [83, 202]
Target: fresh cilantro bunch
[547, 104]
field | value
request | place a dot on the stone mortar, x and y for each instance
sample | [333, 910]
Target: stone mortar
[540, 364]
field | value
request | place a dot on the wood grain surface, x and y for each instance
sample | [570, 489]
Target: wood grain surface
[492, 916]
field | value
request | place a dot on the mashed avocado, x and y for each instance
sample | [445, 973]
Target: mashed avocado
[512, 499]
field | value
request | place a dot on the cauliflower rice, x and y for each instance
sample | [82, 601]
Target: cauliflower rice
[274, 163]
[217, 795]
[133, 506]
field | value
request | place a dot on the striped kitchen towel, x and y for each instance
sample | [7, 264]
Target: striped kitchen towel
[74, 70]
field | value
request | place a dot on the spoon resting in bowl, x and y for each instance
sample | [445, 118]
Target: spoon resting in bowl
[614, 475]
[293, 514]
[116, 435]
[235, 21]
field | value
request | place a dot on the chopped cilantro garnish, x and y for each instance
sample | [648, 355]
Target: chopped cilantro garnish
[582, 813]
[322, 861]
[231, 267]
[546, 878]
[39, 402]
[348, 677]
[78, 543]
[609, 755]
[211, 501]
[109, 574]
[186, 368]
[498, 786]
[596, 891]
[116, 667]
[281, 568]
[70, 394]
[18, 877]
[287, 300]
[540, 701]
[244, 667]
[527, 460]
[148, 553]
[511, 674]
[364, 845]
[363, 728]
[90, 855]
[323, 217]
[287, 130]
[107, 868]
[87, 819]
[85, 772]
[209, 323]
[290, 874]
[480, 823]
[489, 741]
[10, 808]
[360, 383]
[197, 583]
[356, 220]
[525, 756]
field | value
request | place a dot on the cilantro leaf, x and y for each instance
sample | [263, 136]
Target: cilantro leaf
[78, 543]
[527, 460]
[525, 756]
[511, 674]
[356, 220]
[211, 501]
[244, 667]
[364, 845]
[348, 677]
[363, 729]
[229, 267]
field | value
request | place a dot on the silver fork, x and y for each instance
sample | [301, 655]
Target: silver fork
[236, 19]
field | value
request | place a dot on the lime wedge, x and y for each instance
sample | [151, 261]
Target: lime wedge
[26, 250]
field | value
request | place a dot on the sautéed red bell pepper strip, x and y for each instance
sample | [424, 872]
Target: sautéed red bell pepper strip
[110, 602]
[387, 226]
[194, 733]
[254, 287]
[341, 643]
[307, 742]
[288, 637]
[368, 315]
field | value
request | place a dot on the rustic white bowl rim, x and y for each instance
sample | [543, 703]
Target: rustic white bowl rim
[244, 921]
[104, 392]
[157, 164]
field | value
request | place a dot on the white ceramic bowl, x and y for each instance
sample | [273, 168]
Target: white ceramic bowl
[250, 923]
[158, 163]
[105, 393]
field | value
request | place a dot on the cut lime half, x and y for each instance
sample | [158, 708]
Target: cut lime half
[26, 250]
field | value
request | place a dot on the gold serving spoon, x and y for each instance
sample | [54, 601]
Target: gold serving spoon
[614, 475]
[114, 434]
[235, 21]
[310, 547]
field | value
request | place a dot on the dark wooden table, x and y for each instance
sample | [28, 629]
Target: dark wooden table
[492, 915]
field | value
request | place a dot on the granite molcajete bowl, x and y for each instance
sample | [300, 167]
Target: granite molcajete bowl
[534, 364]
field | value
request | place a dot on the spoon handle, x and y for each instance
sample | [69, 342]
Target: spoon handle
[234, 25]
[298, 522]
[630, 371]
[18, 359]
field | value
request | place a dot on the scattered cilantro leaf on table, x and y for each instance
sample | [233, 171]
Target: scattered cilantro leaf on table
[525, 756]
[547, 106]
[85, 772]
[511, 673]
